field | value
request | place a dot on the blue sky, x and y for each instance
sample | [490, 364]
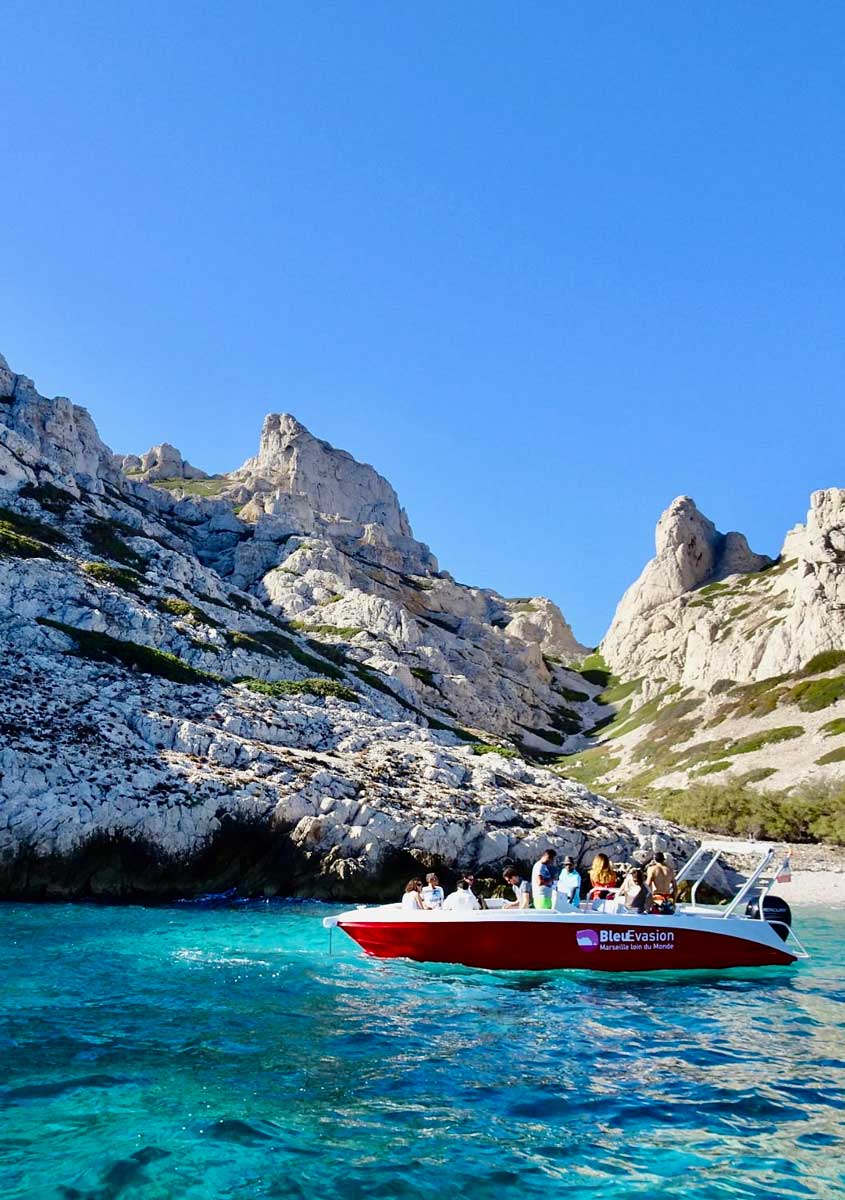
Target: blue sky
[546, 265]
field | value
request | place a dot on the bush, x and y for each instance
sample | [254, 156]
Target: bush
[816, 694]
[341, 631]
[100, 647]
[486, 748]
[811, 812]
[17, 545]
[713, 768]
[303, 687]
[104, 539]
[188, 612]
[595, 670]
[122, 577]
[769, 737]
[24, 537]
[191, 487]
[832, 756]
[828, 660]
[834, 727]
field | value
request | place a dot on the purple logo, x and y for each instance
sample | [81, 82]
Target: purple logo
[587, 939]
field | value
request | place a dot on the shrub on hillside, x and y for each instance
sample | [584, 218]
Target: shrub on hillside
[100, 647]
[307, 687]
[811, 812]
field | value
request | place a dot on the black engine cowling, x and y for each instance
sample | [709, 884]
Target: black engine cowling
[775, 910]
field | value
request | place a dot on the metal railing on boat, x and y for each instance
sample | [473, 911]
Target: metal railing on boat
[758, 881]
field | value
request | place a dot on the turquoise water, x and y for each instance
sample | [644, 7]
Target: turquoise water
[188, 1052]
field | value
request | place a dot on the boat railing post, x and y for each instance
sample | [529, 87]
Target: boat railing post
[689, 864]
[701, 878]
[750, 883]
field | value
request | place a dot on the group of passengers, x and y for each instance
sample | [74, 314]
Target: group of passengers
[639, 891]
[430, 895]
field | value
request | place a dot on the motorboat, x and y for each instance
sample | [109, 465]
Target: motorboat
[754, 929]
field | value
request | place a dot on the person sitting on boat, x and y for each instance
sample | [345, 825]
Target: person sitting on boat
[461, 900]
[412, 898]
[521, 889]
[602, 878]
[432, 894]
[660, 878]
[542, 879]
[568, 891]
[476, 890]
[633, 893]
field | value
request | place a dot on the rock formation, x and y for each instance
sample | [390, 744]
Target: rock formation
[733, 665]
[160, 462]
[192, 700]
[707, 609]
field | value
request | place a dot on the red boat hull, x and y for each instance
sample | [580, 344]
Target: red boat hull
[581, 945]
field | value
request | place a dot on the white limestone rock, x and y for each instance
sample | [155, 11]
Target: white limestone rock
[160, 462]
[291, 460]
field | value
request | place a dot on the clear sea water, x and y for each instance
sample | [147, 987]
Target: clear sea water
[211, 1053]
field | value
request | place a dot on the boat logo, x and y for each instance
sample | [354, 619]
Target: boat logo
[587, 939]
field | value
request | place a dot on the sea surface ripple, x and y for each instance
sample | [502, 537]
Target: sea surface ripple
[207, 1053]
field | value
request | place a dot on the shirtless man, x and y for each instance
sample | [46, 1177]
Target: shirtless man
[660, 878]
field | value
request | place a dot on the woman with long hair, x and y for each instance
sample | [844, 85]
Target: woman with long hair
[602, 873]
[412, 897]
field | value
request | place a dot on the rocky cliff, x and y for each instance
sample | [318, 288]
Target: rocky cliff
[726, 664]
[262, 680]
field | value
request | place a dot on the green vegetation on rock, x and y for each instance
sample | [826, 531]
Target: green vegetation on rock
[757, 775]
[192, 487]
[187, 612]
[619, 692]
[834, 727]
[25, 537]
[816, 694]
[595, 670]
[303, 687]
[424, 675]
[104, 539]
[832, 756]
[487, 748]
[121, 577]
[100, 647]
[828, 660]
[767, 737]
[54, 499]
[341, 631]
[273, 645]
[721, 764]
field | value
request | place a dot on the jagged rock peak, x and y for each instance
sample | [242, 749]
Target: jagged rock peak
[61, 434]
[160, 462]
[290, 459]
[690, 553]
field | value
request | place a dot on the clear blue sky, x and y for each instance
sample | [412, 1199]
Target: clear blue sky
[546, 265]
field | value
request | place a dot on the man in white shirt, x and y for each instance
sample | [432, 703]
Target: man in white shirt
[462, 900]
[432, 893]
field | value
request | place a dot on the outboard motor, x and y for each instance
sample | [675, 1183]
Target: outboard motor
[775, 910]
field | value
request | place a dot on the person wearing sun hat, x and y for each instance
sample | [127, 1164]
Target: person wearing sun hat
[568, 890]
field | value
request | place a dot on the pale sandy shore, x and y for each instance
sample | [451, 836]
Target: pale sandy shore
[818, 872]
